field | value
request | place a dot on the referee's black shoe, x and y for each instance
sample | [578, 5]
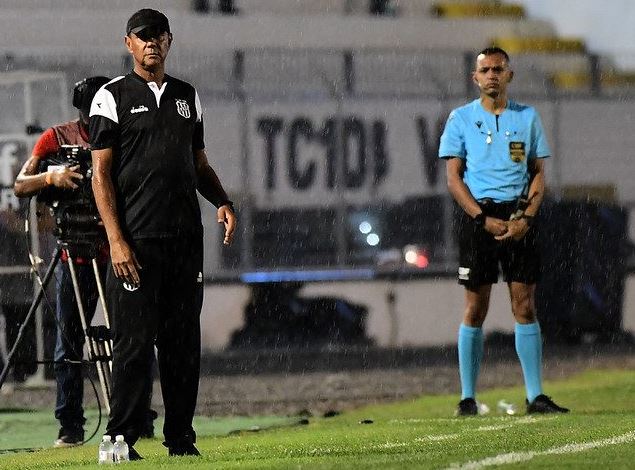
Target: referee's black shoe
[544, 404]
[467, 407]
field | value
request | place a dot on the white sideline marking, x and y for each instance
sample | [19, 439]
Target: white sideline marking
[390, 445]
[443, 437]
[496, 427]
[440, 437]
[516, 457]
[513, 422]
[509, 422]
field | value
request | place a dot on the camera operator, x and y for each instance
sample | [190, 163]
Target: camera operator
[31, 180]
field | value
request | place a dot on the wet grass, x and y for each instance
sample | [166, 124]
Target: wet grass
[419, 433]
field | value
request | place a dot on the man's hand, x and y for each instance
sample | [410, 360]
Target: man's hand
[124, 263]
[496, 227]
[516, 230]
[226, 216]
[65, 177]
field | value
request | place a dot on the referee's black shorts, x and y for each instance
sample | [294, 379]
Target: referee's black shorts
[480, 255]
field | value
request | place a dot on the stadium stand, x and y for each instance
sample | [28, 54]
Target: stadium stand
[63, 6]
[288, 58]
[285, 44]
[293, 7]
[476, 9]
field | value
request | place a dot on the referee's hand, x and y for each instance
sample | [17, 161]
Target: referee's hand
[495, 226]
[516, 230]
[227, 217]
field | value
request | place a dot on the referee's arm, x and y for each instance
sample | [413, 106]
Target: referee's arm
[536, 168]
[462, 195]
[457, 187]
[210, 187]
[124, 261]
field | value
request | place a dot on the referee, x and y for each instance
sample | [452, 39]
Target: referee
[146, 130]
[494, 150]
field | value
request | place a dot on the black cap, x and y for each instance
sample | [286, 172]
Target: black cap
[146, 18]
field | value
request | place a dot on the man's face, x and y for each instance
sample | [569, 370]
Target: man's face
[492, 74]
[149, 47]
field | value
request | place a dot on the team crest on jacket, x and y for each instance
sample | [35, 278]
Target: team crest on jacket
[183, 108]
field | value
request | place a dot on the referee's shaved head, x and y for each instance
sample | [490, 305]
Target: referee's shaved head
[492, 51]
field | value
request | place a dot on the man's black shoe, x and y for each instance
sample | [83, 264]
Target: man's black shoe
[544, 404]
[69, 438]
[133, 454]
[467, 407]
[187, 449]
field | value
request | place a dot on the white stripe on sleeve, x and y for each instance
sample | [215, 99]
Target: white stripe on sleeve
[199, 109]
[104, 105]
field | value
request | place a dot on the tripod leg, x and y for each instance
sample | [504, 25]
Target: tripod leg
[102, 299]
[105, 347]
[93, 353]
[105, 384]
[78, 298]
[100, 290]
[36, 302]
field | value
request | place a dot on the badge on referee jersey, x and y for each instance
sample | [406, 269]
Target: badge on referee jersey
[517, 151]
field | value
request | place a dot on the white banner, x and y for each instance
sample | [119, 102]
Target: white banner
[389, 152]
[15, 285]
[13, 154]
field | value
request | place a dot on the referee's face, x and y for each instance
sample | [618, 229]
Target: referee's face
[149, 50]
[492, 74]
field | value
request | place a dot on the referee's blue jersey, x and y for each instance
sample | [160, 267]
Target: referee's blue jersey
[495, 149]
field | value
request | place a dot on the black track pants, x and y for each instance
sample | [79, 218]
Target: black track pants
[164, 310]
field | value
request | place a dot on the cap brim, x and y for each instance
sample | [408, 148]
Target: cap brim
[160, 27]
[138, 29]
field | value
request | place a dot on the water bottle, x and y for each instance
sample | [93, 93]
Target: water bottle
[482, 408]
[106, 450]
[120, 450]
[506, 408]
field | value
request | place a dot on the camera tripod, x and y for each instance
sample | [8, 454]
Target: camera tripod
[98, 340]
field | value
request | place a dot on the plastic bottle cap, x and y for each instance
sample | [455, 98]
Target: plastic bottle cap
[105, 438]
[119, 438]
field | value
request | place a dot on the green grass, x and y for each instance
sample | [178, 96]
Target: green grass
[418, 433]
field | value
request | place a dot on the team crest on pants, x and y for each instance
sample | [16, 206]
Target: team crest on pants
[183, 108]
[130, 287]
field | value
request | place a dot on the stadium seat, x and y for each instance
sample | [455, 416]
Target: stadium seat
[611, 82]
[477, 9]
[539, 44]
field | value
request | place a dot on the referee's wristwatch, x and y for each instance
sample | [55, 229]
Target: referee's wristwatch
[479, 220]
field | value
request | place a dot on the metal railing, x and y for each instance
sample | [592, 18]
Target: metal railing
[297, 71]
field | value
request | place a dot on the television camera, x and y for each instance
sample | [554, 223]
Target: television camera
[75, 212]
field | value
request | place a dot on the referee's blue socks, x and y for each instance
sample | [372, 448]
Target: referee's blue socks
[470, 354]
[529, 349]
